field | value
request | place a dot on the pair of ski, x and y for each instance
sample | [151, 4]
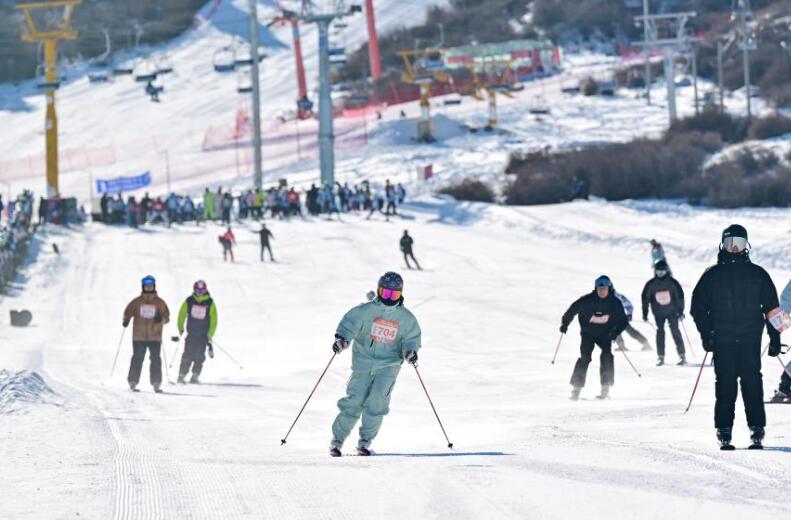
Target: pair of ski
[361, 452]
[731, 447]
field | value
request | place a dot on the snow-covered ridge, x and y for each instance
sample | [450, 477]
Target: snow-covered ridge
[18, 389]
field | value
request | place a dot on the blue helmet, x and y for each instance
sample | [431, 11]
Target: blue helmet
[149, 280]
[603, 281]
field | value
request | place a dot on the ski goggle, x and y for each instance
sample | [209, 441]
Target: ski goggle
[199, 287]
[660, 272]
[389, 294]
[739, 243]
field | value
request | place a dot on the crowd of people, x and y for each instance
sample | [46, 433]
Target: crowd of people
[280, 202]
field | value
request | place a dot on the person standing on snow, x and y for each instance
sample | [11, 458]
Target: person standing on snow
[406, 247]
[150, 313]
[783, 391]
[200, 314]
[602, 319]
[382, 333]
[657, 253]
[264, 234]
[731, 304]
[228, 240]
[667, 304]
[628, 308]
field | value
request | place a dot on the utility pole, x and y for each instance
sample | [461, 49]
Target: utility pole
[647, 51]
[49, 37]
[720, 75]
[326, 133]
[676, 22]
[259, 174]
[695, 77]
[744, 16]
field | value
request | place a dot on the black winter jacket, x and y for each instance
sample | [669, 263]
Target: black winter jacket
[598, 317]
[665, 296]
[731, 300]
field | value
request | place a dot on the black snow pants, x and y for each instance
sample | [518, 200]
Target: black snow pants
[194, 354]
[409, 254]
[672, 321]
[265, 245]
[139, 355]
[635, 334]
[607, 368]
[732, 361]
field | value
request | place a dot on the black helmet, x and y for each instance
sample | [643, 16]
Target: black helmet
[734, 230]
[391, 280]
[661, 266]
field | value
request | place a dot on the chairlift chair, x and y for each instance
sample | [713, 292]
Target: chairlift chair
[146, 71]
[224, 60]
[245, 59]
[244, 81]
[41, 79]
[99, 76]
[164, 65]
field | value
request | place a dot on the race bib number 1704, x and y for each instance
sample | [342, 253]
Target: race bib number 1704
[384, 331]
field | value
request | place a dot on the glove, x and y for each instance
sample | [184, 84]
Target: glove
[211, 350]
[175, 339]
[612, 336]
[681, 316]
[157, 318]
[708, 344]
[564, 329]
[340, 344]
[645, 317]
[410, 356]
[125, 322]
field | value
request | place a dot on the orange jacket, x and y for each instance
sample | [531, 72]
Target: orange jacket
[143, 310]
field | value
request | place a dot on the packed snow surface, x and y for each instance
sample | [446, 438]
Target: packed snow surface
[489, 300]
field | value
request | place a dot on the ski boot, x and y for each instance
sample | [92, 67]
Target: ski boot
[363, 452]
[157, 388]
[181, 379]
[779, 397]
[194, 379]
[682, 360]
[757, 436]
[724, 438]
[575, 393]
[133, 387]
[660, 361]
[605, 392]
[335, 452]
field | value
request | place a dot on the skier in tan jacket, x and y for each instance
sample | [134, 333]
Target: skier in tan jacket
[150, 313]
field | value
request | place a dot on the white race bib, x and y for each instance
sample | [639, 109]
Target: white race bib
[601, 319]
[779, 319]
[384, 331]
[663, 297]
[148, 311]
[199, 312]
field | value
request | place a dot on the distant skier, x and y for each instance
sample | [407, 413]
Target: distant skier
[265, 235]
[731, 305]
[200, 314]
[150, 313]
[628, 308]
[406, 248]
[383, 333]
[657, 253]
[228, 240]
[666, 298]
[602, 319]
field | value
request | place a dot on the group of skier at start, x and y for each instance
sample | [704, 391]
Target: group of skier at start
[732, 303]
[381, 332]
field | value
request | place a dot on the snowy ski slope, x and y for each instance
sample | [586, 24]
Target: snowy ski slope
[495, 283]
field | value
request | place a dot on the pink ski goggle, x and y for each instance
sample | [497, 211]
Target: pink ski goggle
[389, 294]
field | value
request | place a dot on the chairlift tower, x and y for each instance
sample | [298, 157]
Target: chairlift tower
[669, 33]
[49, 36]
[743, 16]
[258, 179]
[323, 18]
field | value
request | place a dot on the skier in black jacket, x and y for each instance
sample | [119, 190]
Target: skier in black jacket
[406, 247]
[731, 305]
[602, 319]
[666, 297]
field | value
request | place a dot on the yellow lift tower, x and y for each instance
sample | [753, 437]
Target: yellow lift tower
[49, 36]
[423, 67]
[494, 74]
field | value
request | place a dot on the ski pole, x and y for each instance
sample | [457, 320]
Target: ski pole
[684, 328]
[227, 354]
[283, 440]
[118, 351]
[557, 348]
[174, 339]
[450, 444]
[164, 358]
[695, 388]
[788, 373]
[632, 364]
